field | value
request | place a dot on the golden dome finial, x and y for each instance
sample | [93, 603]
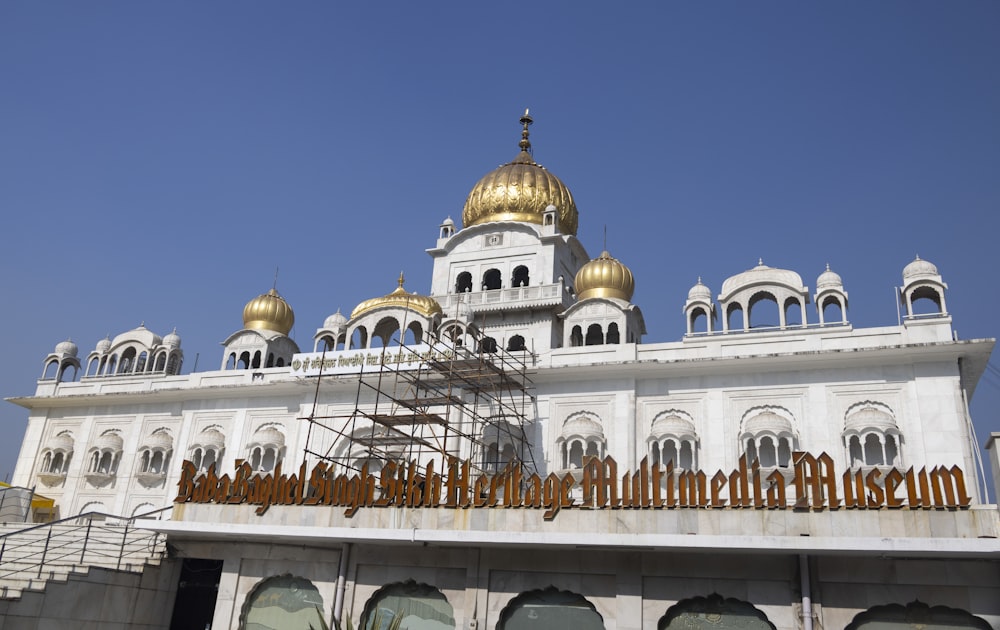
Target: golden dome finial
[401, 280]
[526, 120]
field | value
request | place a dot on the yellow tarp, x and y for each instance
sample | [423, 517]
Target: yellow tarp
[37, 500]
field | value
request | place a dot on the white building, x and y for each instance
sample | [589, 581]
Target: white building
[841, 483]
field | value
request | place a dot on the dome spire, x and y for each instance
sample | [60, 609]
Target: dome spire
[401, 280]
[525, 120]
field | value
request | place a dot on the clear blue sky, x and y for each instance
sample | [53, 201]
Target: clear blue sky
[158, 161]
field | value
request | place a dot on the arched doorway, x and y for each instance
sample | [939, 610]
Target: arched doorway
[283, 601]
[715, 613]
[550, 609]
[408, 605]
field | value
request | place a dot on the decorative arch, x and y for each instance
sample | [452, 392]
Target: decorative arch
[595, 335]
[916, 614]
[384, 330]
[359, 338]
[266, 448]
[407, 604]
[95, 507]
[492, 279]
[871, 435]
[516, 344]
[283, 601]
[764, 301]
[488, 345]
[582, 437]
[550, 608]
[768, 436]
[463, 283]
[521, 277]
[673, 438]
[714, 613]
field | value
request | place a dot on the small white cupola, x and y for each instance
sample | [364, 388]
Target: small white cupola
[699, 305]
[57, 364]
[263, 341]
[922, 293]
[830, 296]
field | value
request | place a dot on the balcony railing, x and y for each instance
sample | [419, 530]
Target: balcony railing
[537, 295]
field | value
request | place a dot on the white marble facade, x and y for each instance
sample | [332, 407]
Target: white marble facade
[110, 435]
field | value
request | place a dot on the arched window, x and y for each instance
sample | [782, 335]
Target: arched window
[492, 280]
[734, 317]
[284, 601]
[463, 284]
[244, 362]
[833, 312]
[127, 362]
[267, 448]
[595, 336]
[925, 301]
[871, 435]
[763, 311]
[385, 331]
[154, 455]
[414, 334]
[713, 613]
[613, 334]
[207, 449]
[673, 439]
[576, 337]
[515, 344]
[359, 338]
[793, 312]
[256, 360]
[582, 438]
[488, 345]
[551, 609]
[520, 277]
[698, 320]
[768, 438]
[407, 605]
[916, 615]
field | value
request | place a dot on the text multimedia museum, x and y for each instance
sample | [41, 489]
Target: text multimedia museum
[506, 452]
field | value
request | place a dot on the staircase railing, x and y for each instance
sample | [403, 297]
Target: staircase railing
[107, 540]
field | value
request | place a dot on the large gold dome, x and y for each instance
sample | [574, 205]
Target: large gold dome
[426, 306]
[604, 276]
[269, 312]
[520, 191]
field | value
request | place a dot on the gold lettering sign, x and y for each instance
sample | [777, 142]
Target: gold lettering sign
[652, 486]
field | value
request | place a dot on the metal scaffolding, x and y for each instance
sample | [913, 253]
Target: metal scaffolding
[431, 401]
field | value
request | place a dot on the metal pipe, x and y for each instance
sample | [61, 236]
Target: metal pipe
[807, 615]
[338, 600]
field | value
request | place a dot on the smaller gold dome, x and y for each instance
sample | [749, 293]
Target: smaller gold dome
[426, 306]
[604, 276]
[269, 312]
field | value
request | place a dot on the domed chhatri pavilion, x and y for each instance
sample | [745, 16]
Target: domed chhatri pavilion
[508, 450]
